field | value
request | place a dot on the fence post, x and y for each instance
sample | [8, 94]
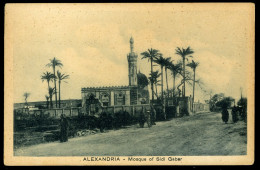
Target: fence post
[133, 110]
[55, 113]
[114, 110]
[70, 111]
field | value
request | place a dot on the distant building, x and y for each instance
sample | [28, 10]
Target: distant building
[200, 107]
[94, 97]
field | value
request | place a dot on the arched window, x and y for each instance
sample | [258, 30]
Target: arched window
[119, 98]
[105, 99]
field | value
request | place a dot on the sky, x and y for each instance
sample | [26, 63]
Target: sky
[92, 42]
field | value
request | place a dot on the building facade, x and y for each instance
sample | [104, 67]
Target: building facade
[94, 98]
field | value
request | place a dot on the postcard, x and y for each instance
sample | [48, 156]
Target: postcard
[129, 84]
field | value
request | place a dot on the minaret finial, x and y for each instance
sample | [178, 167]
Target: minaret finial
[132, 44]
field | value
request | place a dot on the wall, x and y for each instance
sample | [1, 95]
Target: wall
[200, 107]
[133, 110]
[50, 113]
[76, 111]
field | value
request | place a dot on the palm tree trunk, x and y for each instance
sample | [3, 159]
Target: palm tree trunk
[184, 88]
[193, 90]
[48, 90]
[152, 82]
[163, 104]
[156, 90]
[173, 89]
[184, 78]
[48, 104]
[48, 84]
[59, 93]
[51, 101]
[166, 77]
[55, 86]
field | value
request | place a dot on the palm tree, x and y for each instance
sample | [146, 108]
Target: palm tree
[51, 92]
[53, 63]
[47, 100]
[60, 78]
[176, 69]
[154, 79]
[166, 66]
[48, 76]
[161, 61]
[193, 65]
[183, 53]
[151, 55]
[26, 95]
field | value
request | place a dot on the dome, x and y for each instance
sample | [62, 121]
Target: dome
[142, 80]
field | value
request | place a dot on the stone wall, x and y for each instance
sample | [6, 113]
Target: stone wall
[200, 107]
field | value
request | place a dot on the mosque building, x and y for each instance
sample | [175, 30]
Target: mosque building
[133, 94]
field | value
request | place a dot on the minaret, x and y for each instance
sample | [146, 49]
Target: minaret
[132, 64]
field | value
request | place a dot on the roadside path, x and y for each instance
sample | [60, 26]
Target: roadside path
[199, 135]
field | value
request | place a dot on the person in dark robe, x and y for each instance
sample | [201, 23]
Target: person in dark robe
[225, 114]
[141, 119]
[64, 130]
[153, 115]
[148, 118]
[102, 121]
[234, 114]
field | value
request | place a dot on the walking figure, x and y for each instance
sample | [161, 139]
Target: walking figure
[141, 119]
[148, 118]
[234, 114]
[102, 121]
[64, 128]
[225, 114]
[153, 115]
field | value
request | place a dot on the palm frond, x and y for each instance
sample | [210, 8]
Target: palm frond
[54, 62]
[61, 76]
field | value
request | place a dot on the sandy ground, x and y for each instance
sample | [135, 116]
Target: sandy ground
[200, 134]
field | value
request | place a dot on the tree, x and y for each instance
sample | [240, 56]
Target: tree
[225, 102]
[193, 65]
[151, 55]
[243, 105]
[51, 92]
[184, 53]
[48, 76]
[166, 66]
[175, 69]
[60, 78]
[242, 102]
[26, 95]
[47, 100]
[154, 79]
[213, 100]
[53, 64]
[161, 61]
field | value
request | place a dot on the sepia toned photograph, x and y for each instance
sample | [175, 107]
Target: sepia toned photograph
[129, 84]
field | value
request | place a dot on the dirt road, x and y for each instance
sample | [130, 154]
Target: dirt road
[201, 134]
